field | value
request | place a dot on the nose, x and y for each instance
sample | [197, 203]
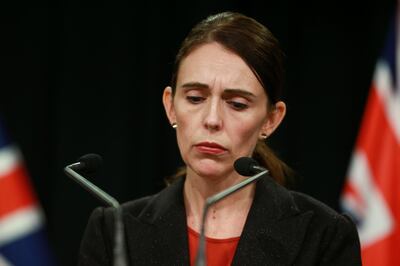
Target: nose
[213, 116]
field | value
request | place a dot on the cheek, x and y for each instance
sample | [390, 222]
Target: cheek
[186, 128]
[244, 135]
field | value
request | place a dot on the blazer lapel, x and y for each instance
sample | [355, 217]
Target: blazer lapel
[274, 230]
[160, 230]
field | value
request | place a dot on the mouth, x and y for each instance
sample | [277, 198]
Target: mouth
[210, 148]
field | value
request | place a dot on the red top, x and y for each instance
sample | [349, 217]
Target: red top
[219, 252]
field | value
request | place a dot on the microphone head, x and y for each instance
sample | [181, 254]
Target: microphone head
[90, 162]
[245, 166]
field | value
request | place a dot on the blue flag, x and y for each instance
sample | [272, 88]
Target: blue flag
[22, 239]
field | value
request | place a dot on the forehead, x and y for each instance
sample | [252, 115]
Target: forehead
[214, 65]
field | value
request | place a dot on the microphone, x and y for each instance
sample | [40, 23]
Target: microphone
[244, 166]
[89, 163]
[247, 166]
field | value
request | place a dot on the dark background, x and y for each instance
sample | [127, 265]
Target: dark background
[79, 80]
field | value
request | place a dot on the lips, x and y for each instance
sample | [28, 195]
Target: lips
[210, 148]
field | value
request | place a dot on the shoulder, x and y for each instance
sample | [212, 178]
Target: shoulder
[322, 235]
[307, 203]
[323, 216]
[335, 234]
[96, 245]
[288, 203]
[105, 215]
[136, 207]
[150, 208]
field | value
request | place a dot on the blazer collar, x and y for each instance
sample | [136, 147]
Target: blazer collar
[274, 229]
[272, 235]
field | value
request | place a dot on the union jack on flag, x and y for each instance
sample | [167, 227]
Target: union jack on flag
[372, 191]
[22, 240]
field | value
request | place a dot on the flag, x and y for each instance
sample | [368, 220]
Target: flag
[372, 190]
[22, 239]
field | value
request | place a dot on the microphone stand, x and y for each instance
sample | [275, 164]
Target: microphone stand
[201, 252]
[119, 245]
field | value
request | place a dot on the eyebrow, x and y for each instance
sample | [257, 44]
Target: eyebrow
[197, 85]
[240, 92]
[202, 86]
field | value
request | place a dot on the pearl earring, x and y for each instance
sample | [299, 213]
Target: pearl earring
[264, 135]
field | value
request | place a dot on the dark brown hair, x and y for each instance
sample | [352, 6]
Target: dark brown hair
[259, 49]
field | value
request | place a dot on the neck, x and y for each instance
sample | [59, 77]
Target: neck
[232, 210]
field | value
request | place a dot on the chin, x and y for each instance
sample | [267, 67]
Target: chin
[210, 168]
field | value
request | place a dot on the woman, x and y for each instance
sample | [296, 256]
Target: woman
[223, 102]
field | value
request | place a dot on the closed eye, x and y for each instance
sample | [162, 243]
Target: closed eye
[237, 105]
[195, 99]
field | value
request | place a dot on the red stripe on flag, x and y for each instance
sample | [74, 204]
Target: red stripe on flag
[383, 252]
[378, 141]
[354, 199]
[349, 190]
[15, 191]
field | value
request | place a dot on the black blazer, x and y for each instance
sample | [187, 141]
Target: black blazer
[282, 228]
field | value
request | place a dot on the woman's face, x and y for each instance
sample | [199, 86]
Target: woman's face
[220, 109]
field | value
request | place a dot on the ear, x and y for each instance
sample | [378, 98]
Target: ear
[169, 104]
[274, 119]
